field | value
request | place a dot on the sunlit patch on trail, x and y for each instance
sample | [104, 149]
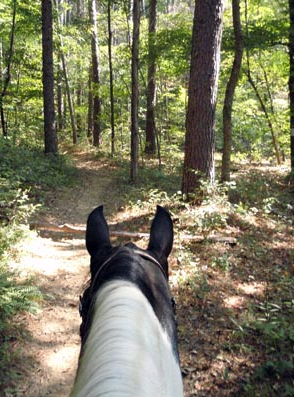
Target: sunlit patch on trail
[253, 288]
[49, 257]
[61, 359]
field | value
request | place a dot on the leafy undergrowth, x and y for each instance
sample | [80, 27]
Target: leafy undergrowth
[25, 177]
[235, 306]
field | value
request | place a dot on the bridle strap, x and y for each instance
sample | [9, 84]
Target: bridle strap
[137, 251]
[151, 258]
[104, 264]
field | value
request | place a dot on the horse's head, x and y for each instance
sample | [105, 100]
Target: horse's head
[104, 256]
[98, 240]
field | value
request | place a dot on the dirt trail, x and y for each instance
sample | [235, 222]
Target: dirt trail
[61, 266]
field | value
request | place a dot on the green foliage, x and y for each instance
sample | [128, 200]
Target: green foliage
[25, 176]
[15, 209]
[259, 192]
[15, 297]
[173, 50]
[222, 262]
[28, 168]
[273, 320]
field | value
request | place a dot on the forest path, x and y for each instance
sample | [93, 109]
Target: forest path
[60, 264]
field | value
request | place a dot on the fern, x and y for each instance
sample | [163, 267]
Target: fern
[16, 297]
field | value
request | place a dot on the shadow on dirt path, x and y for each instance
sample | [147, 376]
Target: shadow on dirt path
[60, 265]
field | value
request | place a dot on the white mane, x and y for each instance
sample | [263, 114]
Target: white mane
[127, 353]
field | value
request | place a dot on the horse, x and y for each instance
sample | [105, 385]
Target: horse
[128, 330]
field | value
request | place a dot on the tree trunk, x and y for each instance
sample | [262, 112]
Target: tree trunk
[135, 92]
[79, 93]
[202, 93]
[90, 106]
[95, 75]
[230, 90]
[265, 112]
[80, 9]
[60, 121]
[64, 68]
[150, 132]
[291, 83]
[69, 99]
[48, 78]
[7, 75]
[110, 77]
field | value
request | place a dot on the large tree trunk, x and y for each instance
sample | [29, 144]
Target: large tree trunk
[205, 61]
[291, 83]
[135, 92]
[230, 90]
[150, 132]
[48, 78]
[95, 75]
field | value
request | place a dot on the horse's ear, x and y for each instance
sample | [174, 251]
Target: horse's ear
[97, 232]
[161, 234]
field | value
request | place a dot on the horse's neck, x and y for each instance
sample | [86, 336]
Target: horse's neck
[127, 352]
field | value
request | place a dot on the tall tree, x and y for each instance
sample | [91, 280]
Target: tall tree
[291, 83]
[48, 78]
[150, 132]
[110, 76]
[202, 93]
[65, 74]
[95, 74]
[135, 92]
[230, 90]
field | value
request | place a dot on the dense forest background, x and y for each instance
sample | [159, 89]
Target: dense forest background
[232, 261]
[260, 110]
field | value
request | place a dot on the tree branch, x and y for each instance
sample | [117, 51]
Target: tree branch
[67, 228]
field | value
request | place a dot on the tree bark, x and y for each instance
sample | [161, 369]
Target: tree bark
[95, 75]
[291, 83]
[202, 93]
[135, 93]
[48, 78]
[150, 131]
[230, 90]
